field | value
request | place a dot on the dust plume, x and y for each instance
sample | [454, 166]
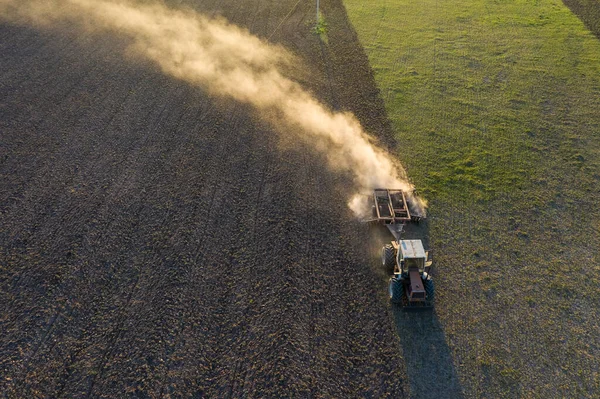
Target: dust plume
[226, 60]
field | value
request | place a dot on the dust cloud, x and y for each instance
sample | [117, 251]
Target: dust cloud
[226, 60]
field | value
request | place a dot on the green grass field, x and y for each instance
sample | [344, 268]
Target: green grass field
[496, 108]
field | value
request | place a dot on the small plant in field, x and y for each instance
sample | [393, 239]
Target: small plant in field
[321, 28]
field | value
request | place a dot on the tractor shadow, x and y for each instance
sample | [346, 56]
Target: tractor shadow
[429, 365]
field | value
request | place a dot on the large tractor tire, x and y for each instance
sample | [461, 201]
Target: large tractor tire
[396, 290]
[429, 289]
[388, 257]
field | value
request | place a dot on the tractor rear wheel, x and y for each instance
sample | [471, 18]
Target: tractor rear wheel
[388, 257]
[429, 289]
[396, 290]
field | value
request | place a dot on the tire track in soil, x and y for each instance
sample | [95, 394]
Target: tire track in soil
[201, 250]
[61, 287]
[174, 133]
[247, 375]
[55, 230]
[316, 303]
[47, 143]
[243, 376]
[232, 374]
[109, 354]
[115, 337]
[193, 276]
[216, 188]
[132, 160]
[240, 374]
[190, 274]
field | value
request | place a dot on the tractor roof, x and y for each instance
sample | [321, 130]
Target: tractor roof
[412, 249]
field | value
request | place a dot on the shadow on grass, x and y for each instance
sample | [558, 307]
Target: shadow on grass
[430, 369]
[588, 12]
[429, 364]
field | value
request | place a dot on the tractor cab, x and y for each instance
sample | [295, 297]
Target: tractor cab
[411, 278]
[411, 256]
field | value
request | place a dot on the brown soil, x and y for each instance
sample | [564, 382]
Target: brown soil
[155, 241]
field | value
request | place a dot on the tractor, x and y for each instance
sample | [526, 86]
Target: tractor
[411, 285]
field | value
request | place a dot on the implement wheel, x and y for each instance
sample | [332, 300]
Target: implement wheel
[396, 290]
[388, 257]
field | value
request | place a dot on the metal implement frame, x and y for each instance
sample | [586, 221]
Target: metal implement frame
[390, 205]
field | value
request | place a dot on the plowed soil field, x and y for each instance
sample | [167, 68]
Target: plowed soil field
[159, 242]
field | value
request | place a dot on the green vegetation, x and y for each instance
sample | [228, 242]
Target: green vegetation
[480, 88]
[321, 28]
[495, 104]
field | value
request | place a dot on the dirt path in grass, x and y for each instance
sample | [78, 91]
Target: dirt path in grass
[158, 242]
